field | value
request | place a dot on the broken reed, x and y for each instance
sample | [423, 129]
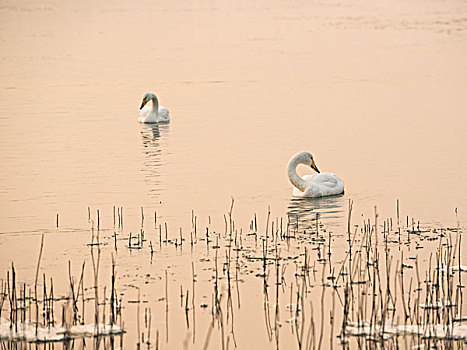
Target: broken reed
[26, 305]
[374, 285]
[381, 292]
[378, 282]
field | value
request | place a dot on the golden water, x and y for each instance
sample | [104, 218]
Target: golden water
[376, 91]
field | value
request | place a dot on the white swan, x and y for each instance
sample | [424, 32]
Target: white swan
[317, 185]
[154, 114]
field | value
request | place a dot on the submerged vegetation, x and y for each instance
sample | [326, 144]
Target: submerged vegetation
[383, 283]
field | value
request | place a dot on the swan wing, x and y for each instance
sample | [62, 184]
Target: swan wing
[163, 115]
[327, 179]
[323, 184]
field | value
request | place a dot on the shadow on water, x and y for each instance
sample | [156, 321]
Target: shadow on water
[150, 136]
[304, 210]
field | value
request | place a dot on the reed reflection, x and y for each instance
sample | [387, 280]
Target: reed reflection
[302, 212]
[152, 150]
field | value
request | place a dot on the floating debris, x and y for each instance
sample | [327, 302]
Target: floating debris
[455, 331]
[28, 332]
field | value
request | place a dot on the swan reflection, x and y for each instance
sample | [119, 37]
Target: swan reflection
[152, 150]
[303, 211]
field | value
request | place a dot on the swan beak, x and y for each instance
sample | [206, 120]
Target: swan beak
[313, 166]
[143, 103]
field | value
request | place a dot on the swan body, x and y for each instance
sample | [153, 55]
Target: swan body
[317, 185]
[152, 113]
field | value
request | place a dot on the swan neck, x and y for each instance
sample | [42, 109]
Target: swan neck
[155, 104]
[296, 180]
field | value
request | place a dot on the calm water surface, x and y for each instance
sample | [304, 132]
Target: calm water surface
[376, 91]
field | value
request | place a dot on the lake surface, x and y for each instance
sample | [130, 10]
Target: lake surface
[376, 91]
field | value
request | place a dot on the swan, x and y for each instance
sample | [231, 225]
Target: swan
[154, 114]
[317, 185]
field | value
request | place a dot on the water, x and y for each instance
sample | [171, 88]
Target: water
[374, 91]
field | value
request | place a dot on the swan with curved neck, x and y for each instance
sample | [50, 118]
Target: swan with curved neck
[317, 185]
[154, 113]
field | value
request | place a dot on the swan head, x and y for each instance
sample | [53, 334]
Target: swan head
[148, 96]
[307, 159]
